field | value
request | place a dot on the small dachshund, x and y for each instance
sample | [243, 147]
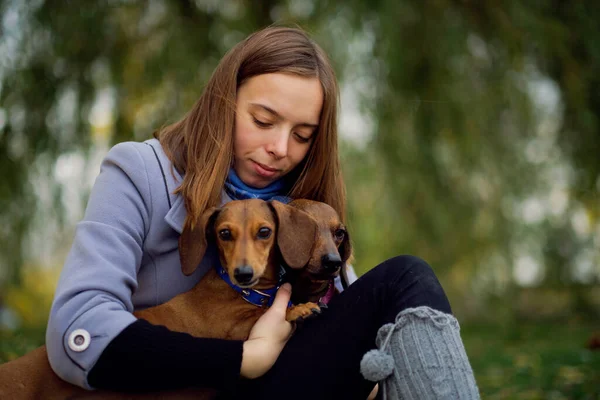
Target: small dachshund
[329, 256]
[253, 237]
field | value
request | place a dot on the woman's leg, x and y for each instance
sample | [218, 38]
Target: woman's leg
[322, 359]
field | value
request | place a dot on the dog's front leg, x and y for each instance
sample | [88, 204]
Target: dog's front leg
[302, 311]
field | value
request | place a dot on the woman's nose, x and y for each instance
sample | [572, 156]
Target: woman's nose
[278, 146]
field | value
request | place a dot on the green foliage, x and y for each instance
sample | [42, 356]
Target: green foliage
[153, 56]
[481, 150]
[470, 156]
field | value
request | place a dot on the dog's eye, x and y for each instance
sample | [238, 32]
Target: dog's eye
[225, 234]
[264, 233]
[340, 234]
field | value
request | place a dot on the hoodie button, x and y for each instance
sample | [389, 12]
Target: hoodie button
[79, 340]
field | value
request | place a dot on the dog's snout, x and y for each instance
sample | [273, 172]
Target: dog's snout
[243, 274]
[331, 262]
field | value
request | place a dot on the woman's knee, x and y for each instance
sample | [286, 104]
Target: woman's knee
[414, 281]
[407, 268]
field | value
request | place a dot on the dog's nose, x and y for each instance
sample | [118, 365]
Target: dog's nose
[331, 262]
[243, 274]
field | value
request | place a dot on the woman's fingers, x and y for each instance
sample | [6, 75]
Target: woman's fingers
[267, 337]
[273, 324]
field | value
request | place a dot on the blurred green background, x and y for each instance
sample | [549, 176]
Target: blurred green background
[470, 134]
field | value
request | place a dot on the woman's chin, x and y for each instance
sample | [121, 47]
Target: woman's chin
[257, 183]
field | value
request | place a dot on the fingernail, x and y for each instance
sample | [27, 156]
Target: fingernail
[286, 286]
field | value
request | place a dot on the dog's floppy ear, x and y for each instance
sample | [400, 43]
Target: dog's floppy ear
[296, 232]
[194, 240]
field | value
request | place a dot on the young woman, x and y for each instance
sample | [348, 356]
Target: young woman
[265, 126]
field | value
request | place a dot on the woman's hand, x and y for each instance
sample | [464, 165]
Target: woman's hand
[267, 337]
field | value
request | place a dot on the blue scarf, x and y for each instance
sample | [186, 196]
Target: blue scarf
[238, 190]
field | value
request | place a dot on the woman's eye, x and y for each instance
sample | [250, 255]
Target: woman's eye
[225, 234]
[262, 124]
[301, 138]
[264, 233]
[340, 234]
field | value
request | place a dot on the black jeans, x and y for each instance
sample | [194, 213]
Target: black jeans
[322, 359]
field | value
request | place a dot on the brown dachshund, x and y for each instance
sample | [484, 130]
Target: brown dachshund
[249, 235]
[328, 258]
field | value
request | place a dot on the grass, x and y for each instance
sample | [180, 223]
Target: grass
[528, 360]
[534, 360]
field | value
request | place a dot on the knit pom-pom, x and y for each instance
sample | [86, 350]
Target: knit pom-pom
[376, 365]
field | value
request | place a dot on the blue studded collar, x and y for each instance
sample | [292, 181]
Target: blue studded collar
[259, 298]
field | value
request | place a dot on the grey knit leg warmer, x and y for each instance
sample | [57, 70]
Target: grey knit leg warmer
[421, 356]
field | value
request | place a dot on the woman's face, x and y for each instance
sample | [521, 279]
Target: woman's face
[277, 116]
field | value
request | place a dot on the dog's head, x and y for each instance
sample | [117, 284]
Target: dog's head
[332, 247]
[245, 233]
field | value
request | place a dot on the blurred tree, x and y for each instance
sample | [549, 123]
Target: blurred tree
[472, 159]
[480, 150]
[60, 57]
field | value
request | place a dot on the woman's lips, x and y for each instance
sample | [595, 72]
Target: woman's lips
[264, 170]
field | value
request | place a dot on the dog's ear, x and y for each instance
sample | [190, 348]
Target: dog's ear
[296, 232]
[194, 240]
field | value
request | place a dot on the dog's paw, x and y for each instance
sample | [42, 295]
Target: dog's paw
[301, 312]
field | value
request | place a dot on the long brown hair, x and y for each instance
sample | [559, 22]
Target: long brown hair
[201, 144]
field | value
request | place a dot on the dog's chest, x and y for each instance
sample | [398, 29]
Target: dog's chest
[217, 311]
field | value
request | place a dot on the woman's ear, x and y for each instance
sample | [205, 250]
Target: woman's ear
[194, 240]
[296, 232]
